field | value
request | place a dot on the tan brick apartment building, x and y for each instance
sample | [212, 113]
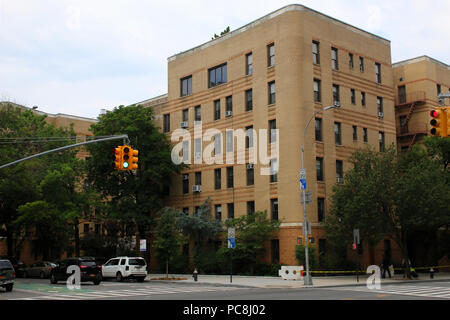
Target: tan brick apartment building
[417, 82]
[276, 72]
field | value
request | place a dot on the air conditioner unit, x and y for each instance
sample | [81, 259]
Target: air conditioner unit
[380, 114]
[250, 166]
[340, 180]
[184, 124]
[197, 188]
[228, 113]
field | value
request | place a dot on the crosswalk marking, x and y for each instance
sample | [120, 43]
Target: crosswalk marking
[90, 295]
[419, 291]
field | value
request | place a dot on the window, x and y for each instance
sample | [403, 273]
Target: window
[321, 209]
[366, 137]
[230, 178]
[318, 128]
[401, 94]
[271, 55]
[249, 100]
[317, 93]
[250, 207]
[249, 64]
[339, 171]
[229, 104]
[272, 131]
[186, 86]
[361, 64]
[97, 228]
[274, 208]
[218, 212]
[198, 113]
[336, 98]
[216, 109]
[353, 96]
[273, 170]
[86, 228]
[198, 148]
[217, 144]
[337, 133]
[166, 123]
[217, 75]
[186, 211]
[334, 59]
[316, 52]
[355, 133]
[217, 179]
[249, 137]
[198, 178]
[185, 183]
[230, 209]
[185, 115]
[275, 251]
[186, 149]
[380, 104]
[350, 60]
[319, 169]
[230, 141]
[438, 89]
[363, 98]
[381, 140]
[271, 92]
[378, 72]
[250, 175]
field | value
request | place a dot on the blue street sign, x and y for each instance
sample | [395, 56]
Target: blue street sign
[231, 243]
[302, 184]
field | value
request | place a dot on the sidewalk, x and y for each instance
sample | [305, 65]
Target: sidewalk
[278, 282]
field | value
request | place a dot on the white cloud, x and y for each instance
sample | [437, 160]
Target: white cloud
[80, 56]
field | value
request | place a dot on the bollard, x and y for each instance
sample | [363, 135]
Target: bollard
[431, 273]
[195, 274]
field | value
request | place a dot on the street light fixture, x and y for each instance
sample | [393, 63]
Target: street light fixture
[307, 278]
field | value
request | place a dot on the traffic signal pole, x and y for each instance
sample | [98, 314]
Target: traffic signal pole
[123, 136]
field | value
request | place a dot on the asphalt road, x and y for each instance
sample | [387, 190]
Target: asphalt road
[41, 289]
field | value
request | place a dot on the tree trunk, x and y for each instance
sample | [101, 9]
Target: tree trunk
[77, 238]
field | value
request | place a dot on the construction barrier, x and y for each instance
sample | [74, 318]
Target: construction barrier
[364, 271]
[291, 272]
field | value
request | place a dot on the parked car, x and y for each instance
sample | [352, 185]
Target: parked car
[19, 266]
[7, 275]
[90, 270]
[125, 268]
[41, 269]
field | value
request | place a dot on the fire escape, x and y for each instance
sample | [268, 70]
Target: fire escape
[410, 101]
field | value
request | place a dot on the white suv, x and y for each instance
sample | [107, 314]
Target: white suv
[125, 267]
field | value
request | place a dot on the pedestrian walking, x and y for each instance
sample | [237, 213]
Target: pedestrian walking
[386, 265]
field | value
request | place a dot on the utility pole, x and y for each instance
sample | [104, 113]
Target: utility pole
[307, 278]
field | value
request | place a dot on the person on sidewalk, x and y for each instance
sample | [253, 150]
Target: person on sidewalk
[386, 264]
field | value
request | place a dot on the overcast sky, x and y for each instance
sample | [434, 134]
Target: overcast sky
[80, 56]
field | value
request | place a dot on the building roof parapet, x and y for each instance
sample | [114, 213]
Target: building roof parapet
[291, 7]
[419, 59]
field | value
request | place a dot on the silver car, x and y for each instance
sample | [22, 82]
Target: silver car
[7, 275]
[39, 269]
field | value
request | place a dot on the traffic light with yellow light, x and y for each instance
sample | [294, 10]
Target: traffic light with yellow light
[439, 126]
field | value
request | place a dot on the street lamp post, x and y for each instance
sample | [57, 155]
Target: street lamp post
[308, 279]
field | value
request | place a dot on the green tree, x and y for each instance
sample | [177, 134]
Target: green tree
[200, 229]
[134, 197]
[167, 238]
[389, 195]
[252, 231]
[224, 32]
[22, 134]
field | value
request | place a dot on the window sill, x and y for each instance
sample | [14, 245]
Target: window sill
[186, 96]
[218, 85]
[272, 105]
